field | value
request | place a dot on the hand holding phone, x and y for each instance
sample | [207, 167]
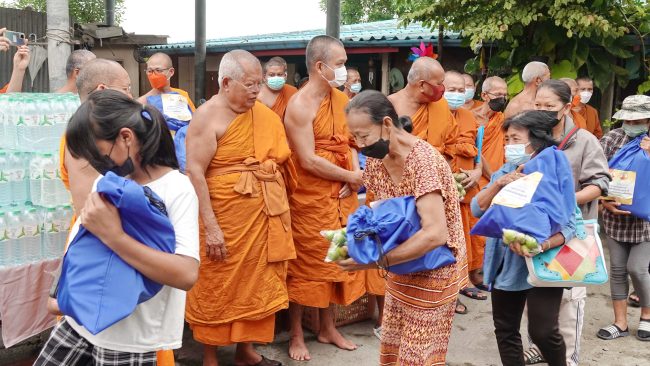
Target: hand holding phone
[15, 38]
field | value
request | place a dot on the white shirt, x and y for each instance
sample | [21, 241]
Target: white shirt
[158, 322]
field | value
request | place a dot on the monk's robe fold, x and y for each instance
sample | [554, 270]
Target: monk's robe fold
[434, 123]
[477, 104]
[466, 153]
[315, 206]
[578, 120]
[494, 143]
[236, 300]
[281, 102]
[590, 114]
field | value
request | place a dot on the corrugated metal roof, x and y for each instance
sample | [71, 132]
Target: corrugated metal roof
[374, 34]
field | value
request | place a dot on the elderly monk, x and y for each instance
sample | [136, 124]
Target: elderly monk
[465, 153]
[237, 157]
[533, 75]
[275, 92]
[328, 178]
[589, 113]
[352, 86]
[72, 68]
[490, 118]
[160, 70]
[575, 101]
[470, 92]
[422, 100]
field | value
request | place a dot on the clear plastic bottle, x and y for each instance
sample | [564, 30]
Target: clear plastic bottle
[32, 227]
[4, 106]
[49, 187]
[51, 234]
[47, 137]
[11, 121]
[5, 249]
[15, 236]
[31, 133]
[18, 178]
[36, 179]
[5, 187]
[72, 103]
[64, 217]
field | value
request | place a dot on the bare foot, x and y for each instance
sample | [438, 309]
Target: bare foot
[245, 355]
[333, 336]
[210, 356]
[298, 350]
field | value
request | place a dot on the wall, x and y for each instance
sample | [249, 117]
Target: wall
[123, 55]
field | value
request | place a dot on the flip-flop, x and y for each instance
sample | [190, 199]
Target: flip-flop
[612, 332]
[635, 303]
[473, 293]
[458, 303]
[532, 357]
[483, 287]
[643, 333]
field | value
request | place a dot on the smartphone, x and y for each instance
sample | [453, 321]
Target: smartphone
[15, 38]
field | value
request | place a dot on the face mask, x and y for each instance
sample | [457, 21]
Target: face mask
[469, 94]
[438, 92]
[575, 101]
[340, 76]
[157, 81]
[120, 170]
[497, 104]
[455, 100]
[378, 150]
[275, 82]
[585, 96]
[635, 130]
[516, 154]
[355, 88]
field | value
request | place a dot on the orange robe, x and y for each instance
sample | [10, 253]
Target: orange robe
[493, 145]
[315, 206]
[590, 114]
[434, 123]
[236, 300]
[281, 102]
[477, 104]
[465, 155]
[579, 120]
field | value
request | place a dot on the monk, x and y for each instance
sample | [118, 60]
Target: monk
[578, 119]
[275, 92]
[159, 72]
[352, 86]
[465, 153]
[470, 92]
[490, 119]
[328, 177]
[422, 100]
[589, 113]
[237, 156]
[533, 75]
[72, 68]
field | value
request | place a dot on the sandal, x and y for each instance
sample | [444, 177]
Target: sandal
[633, 300]
[458, 304]
[377, 331]
[483, 287]
[643, 333]
[612, 332]
[532, 357]
[473, 293]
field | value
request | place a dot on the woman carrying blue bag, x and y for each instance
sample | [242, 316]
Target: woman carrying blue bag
[527, 134]
[419, 307]
[117, 134]
[628, 236]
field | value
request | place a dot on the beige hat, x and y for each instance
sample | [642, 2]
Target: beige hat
[634, 107]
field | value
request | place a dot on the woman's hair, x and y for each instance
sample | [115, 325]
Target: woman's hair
[102, 117]
[559, 88]
[539, 125]
[377, 106]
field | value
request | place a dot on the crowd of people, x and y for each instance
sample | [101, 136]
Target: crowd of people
[267, 166]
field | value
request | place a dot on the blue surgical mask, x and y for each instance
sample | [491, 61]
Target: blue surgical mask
[355, 88]
[469, 94]
[455, 99]
[516, 154]
[635, 130]
[275, 82]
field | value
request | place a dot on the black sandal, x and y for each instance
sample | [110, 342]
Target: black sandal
[462, 312]
[612, 332]
[532, 357]
[643, 333]
[473, 293]
[631, 301]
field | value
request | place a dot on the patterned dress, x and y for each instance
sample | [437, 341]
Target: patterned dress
[419, 307]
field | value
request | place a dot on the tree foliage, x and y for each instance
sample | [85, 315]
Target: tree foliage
[593, 36]
[362, 11]
[81, 11]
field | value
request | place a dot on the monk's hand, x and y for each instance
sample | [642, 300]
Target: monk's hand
[215, 245]
[645, 144]
[350, 265]
[473, 176]
[101, 218]
[612, 206]
[346, 191]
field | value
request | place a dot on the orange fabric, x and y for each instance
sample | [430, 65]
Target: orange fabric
[280, 105]
[62, 169]
[165, 358]
[434, 123]
[578, 120]
[187, 97]
[257, 331]
[590, 114]
[315, 206]
[464, 150]
[475, 244]
[250, 285]
[493, 145]
[4, 88]
[375, 283]
[477, 104]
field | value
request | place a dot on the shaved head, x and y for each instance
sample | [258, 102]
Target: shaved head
[319, 49]
[160, 59]
[101, 71]
[493, 82]
[572, 84]
[469, 80]
[424, 68]
[454, 81]
[77, 59]
[534, 70]
[275, 62]
[235, 64]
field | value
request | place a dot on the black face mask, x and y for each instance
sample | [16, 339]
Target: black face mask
[120, 170]
[378, 150]
[497, 104]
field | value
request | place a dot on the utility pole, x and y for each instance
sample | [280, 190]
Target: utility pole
[200, 50]
[333, 28]
[110, 12]
[58, 41]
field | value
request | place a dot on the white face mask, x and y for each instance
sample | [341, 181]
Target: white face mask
[585, 96]
[340, 76]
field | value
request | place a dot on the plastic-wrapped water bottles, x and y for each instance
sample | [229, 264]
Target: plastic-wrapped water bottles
[64, 217]
[15, 234]
[5, 249]
[5, 188]
[17, 173]
[51, 237]
[32, 227]
[36, 179]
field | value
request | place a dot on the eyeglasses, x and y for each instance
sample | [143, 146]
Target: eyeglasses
[492, 95]
[250, 86]
[156, 71]
[126, 89]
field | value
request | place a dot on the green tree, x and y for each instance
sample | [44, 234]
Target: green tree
[362, 11]
[577, 36]
[81, 11]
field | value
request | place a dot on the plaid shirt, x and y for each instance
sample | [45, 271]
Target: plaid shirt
[626, 229]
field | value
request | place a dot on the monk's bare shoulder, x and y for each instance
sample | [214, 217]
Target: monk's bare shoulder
[208, 120]
[301, 109]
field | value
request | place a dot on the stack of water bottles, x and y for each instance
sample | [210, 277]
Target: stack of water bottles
[35, 210]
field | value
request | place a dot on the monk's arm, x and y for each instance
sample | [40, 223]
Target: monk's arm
[82, 177]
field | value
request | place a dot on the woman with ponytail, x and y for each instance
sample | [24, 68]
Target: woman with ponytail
[419, 307]
[117, 134]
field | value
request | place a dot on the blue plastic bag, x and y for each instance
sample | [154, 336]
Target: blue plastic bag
[179, 147]
[362, 166]
[97, 288]
[373, 232]
[632, 157]
[551, 207]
